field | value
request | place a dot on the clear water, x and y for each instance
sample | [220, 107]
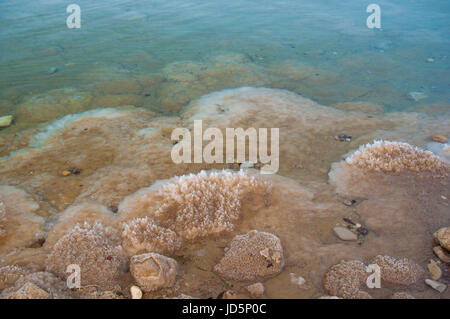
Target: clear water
[130, 38]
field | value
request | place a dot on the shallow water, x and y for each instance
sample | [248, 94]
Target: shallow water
[126, 38]
[162, 64]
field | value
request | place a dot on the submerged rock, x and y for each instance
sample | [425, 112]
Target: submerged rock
[434, 270]
[153, 271]
[417, 96]
[345, 233]
[439, 138]
[6, 120]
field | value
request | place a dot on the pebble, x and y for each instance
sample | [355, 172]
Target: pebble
[440, 252]
[436, 285]
[434, 270]
[52, 70]
[430, 60]
[343, 138]
[136, 292]
[6, 120]
[256, 290]
[439, 138]
[344, 233]
[66, 173]
[417, 96]
[442, 236]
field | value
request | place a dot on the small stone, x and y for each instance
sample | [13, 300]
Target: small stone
[350, 202]
[343, 138]
[256, 290]
[417, 96]
[6, 120]
[344, 233]
[436, 285]
[153, 271]
[442, 236]
[434, 270]
[66, 173]
[442, 254]
[52, 70]
[136, 292]
[439, 138]
[430, 60]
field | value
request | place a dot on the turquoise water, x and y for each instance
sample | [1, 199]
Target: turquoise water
[137, 38]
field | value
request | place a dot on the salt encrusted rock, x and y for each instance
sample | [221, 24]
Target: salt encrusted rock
[6, 120]
[442, 236]
[45, 281]
[153, 271]
[344, 279]
[29, 291]
[442, 254]
[10, 274]
[141, 235]
[256, 290]
[402, 295]
[345, 233]
[95, 248]
[401, 271]
[251, 257]
[436, 285]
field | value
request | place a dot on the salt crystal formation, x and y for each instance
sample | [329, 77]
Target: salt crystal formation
[143, 235]
[95, 249]
[251, 257]
[398, 271]
[394, 157]
[192, 206]
[10, 274]
[344, 280]
[153, 271]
